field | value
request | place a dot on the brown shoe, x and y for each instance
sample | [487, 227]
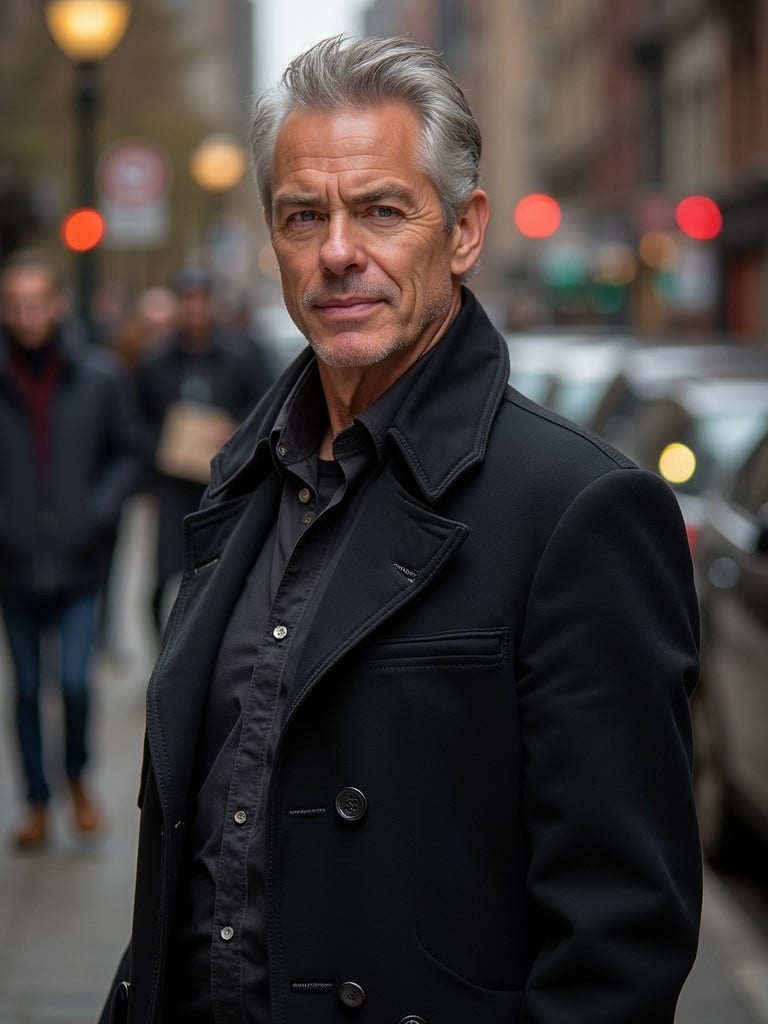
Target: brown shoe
[32, 834]
[88, 819]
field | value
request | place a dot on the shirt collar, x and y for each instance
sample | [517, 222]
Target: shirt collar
[438, 414]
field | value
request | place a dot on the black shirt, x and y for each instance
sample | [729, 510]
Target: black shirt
[218, 969]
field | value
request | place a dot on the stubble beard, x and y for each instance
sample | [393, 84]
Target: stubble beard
[337, 356]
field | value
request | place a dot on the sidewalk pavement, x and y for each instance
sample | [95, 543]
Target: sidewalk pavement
[65, 913]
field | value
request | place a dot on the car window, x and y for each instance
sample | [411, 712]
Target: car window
[750, 490]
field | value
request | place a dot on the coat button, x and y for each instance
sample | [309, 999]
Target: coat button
[351, 994]
[351, 804]
[410, 1019]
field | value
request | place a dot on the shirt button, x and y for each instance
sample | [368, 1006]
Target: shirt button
[280, 632]
[240, 817]
[304, 495]
[351, 804]
[282, 450]
[227, 933]
[351, 994]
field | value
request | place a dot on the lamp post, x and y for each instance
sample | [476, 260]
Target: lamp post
[86, 31]
[217, 164]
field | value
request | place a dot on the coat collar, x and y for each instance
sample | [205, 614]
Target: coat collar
[442, 426]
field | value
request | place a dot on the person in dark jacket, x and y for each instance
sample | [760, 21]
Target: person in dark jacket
[194, 388]
[418, 737]
[71, 450]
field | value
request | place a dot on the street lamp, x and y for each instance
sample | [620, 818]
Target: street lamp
[86, 31]
[217, 164]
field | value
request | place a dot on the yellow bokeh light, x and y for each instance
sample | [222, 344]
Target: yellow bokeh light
[87, 30]
[677, 463]
[657, 249]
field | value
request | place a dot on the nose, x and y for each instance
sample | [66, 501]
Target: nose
[341, 251]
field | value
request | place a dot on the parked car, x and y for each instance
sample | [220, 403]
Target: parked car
[581, 373]
[532, 360]
[695, 433]
[731, 704]
[649, 369]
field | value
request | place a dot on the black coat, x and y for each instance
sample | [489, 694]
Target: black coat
[239, 376]
[501, 664]
[63, 541]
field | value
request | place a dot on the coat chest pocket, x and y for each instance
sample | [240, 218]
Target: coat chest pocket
[472, 648]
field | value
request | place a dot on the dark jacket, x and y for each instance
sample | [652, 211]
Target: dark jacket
[501, 665]
[239, 376]
[62, 540]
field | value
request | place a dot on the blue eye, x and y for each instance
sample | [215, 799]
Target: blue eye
[384, 212]
[305, 215]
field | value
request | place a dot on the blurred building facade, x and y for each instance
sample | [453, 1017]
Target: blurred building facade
[618, 109]
[219, 36]
[196, 79]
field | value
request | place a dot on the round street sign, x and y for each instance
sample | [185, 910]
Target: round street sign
[133, 172]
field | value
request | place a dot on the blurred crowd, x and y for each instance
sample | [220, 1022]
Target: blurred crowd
[84, 427]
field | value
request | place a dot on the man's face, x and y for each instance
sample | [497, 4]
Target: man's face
[367, 265]
[30, 305]
[195, 311]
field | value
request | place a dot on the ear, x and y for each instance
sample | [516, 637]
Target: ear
[469, 232]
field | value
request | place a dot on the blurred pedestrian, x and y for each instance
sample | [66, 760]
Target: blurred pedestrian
[194, 389]
[71, 451]
[152, 320]
[418, 743]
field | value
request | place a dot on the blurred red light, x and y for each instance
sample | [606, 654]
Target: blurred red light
[699, 217]
[82, 229]
[537, 216]
[692, 534]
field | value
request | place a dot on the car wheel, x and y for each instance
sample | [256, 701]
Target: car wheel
[721, 832]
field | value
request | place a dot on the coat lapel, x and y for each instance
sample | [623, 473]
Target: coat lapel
[220, 546]
[396, 548]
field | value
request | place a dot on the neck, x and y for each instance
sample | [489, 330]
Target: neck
[350, 390]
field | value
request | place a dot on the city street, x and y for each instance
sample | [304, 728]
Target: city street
[64, 913]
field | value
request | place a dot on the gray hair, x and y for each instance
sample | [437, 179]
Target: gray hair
[353, 73]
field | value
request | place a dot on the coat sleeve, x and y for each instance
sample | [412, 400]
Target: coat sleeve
[126, 451]
[609, 659]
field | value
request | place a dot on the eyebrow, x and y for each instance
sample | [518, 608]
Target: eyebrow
[378, 195]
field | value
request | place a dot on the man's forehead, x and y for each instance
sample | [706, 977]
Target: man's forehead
[26, 279]
[321, 129]
[375, 142]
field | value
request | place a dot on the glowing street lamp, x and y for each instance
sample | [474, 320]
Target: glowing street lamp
[217, 164]
[86, 31]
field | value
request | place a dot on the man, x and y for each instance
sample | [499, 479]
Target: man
[194, 389]
[71, 450]
[418, 739]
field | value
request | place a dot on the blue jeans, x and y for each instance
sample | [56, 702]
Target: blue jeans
[74, 619]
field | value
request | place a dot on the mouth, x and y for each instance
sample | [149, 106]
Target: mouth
[347, 301]
[347, 306]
